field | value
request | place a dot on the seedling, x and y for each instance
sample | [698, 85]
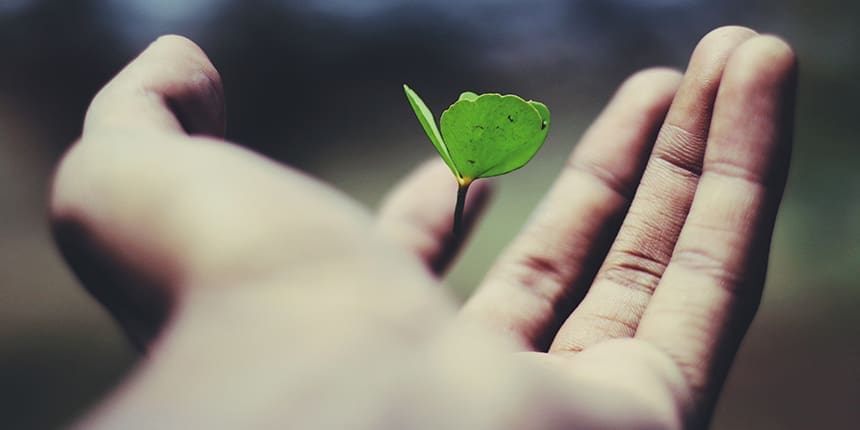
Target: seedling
[482, 136]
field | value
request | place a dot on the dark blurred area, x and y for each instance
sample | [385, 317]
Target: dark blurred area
[317, 84]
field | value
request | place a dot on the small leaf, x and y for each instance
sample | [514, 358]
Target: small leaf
[543, 111]
[425, 117]
[468, 95]
[491, 134]
[483, 135]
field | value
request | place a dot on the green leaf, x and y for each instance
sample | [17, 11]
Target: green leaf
[491, 134]
[425, 117]
[483, 135]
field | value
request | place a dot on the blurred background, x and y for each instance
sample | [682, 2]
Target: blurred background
[317, 84]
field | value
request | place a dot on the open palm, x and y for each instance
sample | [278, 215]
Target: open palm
[630, 288]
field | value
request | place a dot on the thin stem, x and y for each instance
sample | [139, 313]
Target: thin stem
[461, 204]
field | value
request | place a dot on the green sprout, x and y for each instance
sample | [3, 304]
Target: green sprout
[482, 136]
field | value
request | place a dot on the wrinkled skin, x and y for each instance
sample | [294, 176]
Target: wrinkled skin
[266, 299]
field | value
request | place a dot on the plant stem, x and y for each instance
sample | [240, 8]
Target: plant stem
[461, 204]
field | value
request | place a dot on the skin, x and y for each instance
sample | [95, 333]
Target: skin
[264, 298]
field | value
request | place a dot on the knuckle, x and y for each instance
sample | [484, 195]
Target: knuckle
[546, 267]
[604, 176]
[703, 262]
[615, 325]
[633, 269]
[680, 150]
[542, 276]
[729, 169]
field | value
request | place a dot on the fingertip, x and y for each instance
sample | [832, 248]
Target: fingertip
[651, 88]
[181, 48]
[729, 30]
[175, 42]
[195, 88]
[729, 35]
[711, 53]
[660, 76]
[754, 119]
[762, 59]
[172, 85]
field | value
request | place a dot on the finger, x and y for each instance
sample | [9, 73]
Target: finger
[171, 86]
[623, 286]
[419, 213]
[544, 272]
[712, 286]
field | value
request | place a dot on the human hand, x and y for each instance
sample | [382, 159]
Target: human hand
[207, 245]
[242, 278]
[657, 308]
